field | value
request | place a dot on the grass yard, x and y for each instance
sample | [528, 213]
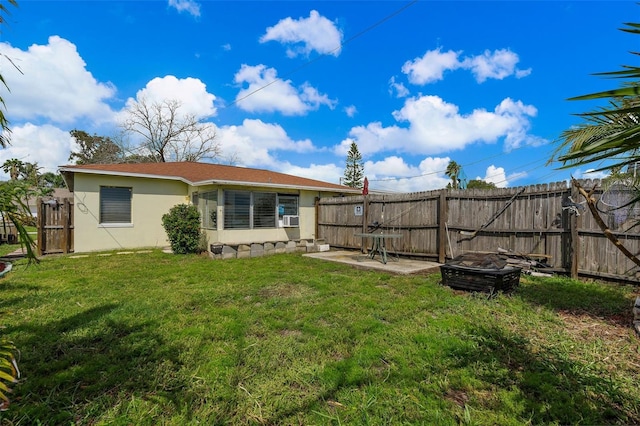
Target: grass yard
[151, 338]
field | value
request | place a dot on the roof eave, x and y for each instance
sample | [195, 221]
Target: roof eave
[211, 181]
[276, 185]
[123, 174]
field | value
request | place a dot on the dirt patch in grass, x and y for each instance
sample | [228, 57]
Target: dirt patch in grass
[285, 291]
[590, 327]
[616, 333]
[457, 396]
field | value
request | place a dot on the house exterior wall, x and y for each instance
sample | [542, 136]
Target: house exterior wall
[151, 198]
[306, 211]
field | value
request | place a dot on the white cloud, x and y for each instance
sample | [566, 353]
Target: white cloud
[436, 126]
[431, 67]
[496, 175]
[226, 47]
[393, 174]
[398, 88]
[305, 35]
[253, 143]
[267, 93]
[190, 92]
[591, 174]
[350, 110]
[499, 177]
[46, 145]
[189, 6]
[324, 172]
[53, 84]
[498, 64]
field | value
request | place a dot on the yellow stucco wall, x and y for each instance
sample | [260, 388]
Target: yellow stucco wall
[151, 198]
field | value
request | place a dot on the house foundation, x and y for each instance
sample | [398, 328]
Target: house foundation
[245, 251]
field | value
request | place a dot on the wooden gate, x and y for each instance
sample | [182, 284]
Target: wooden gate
[55, 226]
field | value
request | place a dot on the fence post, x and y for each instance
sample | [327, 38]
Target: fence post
[365, 220]
[442, 229]
[40, 227]
[317, 212]
[65, 226]
[575, 237]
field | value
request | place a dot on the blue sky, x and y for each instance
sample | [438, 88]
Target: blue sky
[290, 84]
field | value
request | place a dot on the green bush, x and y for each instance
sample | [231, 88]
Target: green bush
[182, 225]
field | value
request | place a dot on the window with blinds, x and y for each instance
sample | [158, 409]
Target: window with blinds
[264, 210]
[237, 209]
[115, 204]
[256, 210]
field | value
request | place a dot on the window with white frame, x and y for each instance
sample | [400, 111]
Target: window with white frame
[115, 204]
[207, 203]
[256, 210]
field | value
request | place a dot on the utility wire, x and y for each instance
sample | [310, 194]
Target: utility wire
[501, 154]
[322, 56]
[512, 170]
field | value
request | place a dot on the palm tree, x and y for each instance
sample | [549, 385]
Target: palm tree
[14, 168]
[5, 132]
[609, 134]
[452, 171]
[9, 372]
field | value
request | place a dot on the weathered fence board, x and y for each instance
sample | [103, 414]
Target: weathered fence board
[55, 226]
[528, 220]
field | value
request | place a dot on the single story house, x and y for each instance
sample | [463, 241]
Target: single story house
[120, 206]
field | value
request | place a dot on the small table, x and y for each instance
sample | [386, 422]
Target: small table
[379, 245]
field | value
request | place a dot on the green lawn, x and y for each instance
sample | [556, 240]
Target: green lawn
[152, 338]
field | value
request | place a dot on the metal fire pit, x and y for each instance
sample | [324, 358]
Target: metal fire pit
[487, 273]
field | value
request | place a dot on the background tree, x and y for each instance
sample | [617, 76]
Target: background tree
[168, 134]
[480, 184]
[452, 171]
[52, 180]
[354, 170]
[30, 173]
[13, 167]
[95, 149]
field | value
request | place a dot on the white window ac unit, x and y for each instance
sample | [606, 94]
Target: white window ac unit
[290, 221]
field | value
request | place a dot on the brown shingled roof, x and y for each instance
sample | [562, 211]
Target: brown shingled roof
[195, 173]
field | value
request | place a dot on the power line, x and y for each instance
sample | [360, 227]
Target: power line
[324, 55]
[435, 172]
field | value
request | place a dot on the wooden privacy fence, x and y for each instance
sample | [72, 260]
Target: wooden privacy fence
[535, 220]
[55, 226]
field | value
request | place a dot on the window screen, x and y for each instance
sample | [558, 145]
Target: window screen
[115, 204]
[287, 205]
[237, 209]
[264, 210]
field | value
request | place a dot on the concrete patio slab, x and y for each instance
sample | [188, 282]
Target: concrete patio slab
[360, 260]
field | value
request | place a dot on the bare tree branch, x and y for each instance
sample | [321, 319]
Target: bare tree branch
[591, 203]
[167, 134]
